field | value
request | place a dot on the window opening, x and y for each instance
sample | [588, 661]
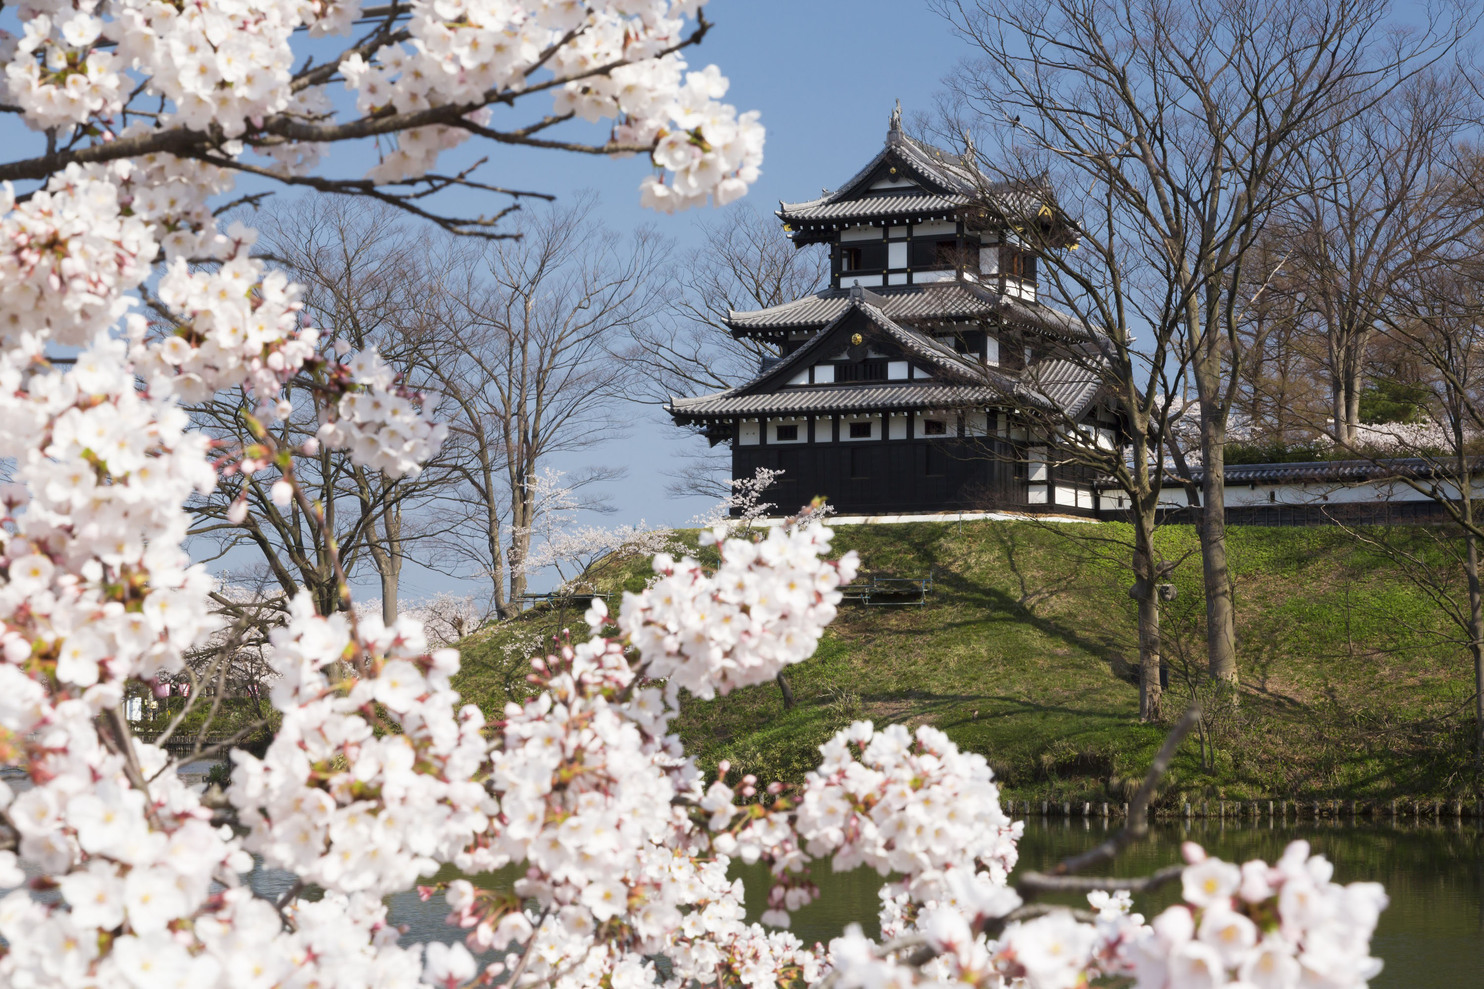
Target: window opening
[861, 371]
[933, 254]
[787, 434]
[1017, 263]
[860, 430]
[934, 427]
[863, 257]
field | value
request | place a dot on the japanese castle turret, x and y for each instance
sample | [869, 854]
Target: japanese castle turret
[897, 388]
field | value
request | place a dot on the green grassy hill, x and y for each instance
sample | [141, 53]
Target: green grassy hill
[1353, 685]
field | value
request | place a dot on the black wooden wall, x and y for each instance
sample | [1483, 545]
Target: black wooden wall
[891, 476]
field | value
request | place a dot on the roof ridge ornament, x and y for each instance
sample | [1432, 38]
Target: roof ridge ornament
[896, 118]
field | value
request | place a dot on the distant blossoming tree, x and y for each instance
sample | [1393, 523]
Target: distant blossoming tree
[145, 112]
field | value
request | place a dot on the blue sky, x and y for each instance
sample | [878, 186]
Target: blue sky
[824, 74]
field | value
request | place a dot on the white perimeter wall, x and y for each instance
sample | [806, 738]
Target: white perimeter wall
[1327, 493]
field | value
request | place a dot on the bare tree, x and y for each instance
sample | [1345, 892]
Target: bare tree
[1193, 118]
[1439, 320]
[1280, 398]
[529, 328]
[365, 272]
[1375, 201]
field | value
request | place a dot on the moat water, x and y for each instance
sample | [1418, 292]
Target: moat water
[1432, 934]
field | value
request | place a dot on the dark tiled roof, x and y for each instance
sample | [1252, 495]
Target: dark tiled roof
[1052, 322]
[927, 350]
[956, 300]
[804, 401]
[955, 180]
[1333, 471]
[1067, 384]
[943, 300]
[907, 207]
[943, 359]
[968, 382]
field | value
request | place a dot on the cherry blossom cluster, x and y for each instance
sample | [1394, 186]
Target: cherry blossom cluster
[379, 422]
[1282, 925]
[226, 63]
[596, 799]
[98, 588]
[148, 889]
[67, 255]
[889, 800]
[229, 65]
[237, 324]
[612, 62]
[55, 73]
[762, 610]
[335, 803]
[1285, 924]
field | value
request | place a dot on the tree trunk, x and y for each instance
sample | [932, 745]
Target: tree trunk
[1146, 591]
[390, 568]
[522, 510]
[1346, 382]
[1476, 642]
[788, 691]
[1339, 406]
[1221, 638]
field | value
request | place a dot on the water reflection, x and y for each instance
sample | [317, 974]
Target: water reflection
[1431, 935]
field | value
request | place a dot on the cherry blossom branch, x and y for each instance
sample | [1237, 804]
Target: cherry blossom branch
[1137, 825]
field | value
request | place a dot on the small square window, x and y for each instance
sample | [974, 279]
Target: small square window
[788, 434]
[934, 427]
[860, 430]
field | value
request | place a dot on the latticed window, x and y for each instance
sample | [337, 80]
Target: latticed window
[861, 371]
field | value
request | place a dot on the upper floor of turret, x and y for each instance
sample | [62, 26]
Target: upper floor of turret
[917, 214]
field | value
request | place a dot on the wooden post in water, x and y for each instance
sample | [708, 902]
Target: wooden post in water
[1066, 809]
[1187, 810]
[1043, 809]
[1105, 810]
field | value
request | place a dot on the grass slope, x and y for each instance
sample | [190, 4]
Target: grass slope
[1352, 686]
